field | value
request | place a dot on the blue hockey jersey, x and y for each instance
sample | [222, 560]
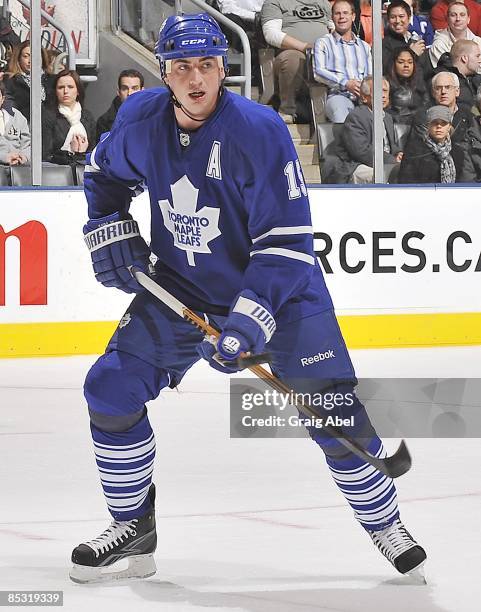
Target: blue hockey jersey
[229, 211]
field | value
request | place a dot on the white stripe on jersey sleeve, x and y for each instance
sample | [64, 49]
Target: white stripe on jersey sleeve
[93, 163]
[285, 231]
[286, 253]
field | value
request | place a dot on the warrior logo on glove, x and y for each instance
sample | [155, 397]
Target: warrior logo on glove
[230, 345]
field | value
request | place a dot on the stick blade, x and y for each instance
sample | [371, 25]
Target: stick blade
[399, 463]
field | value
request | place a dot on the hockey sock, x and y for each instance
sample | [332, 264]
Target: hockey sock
[126, 462]
[371, 494]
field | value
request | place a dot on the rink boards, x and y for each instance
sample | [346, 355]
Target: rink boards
[403, 267]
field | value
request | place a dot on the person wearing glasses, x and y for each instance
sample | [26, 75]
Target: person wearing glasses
[445, 91]
[464, 60]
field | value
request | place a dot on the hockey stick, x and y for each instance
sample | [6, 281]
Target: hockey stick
[392, 466]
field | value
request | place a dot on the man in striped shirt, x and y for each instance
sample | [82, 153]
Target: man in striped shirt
[341, 61]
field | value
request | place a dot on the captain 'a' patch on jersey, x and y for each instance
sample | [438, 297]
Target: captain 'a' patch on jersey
[191, 229]
[214, 169]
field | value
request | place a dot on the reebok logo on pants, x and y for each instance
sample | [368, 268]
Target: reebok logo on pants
[307, 361]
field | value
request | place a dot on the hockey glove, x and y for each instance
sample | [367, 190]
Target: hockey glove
[115, 244]
[247, 329]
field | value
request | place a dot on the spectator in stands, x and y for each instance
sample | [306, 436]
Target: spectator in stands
[363, 22]
[355, 152]
[243, 13]
[445, 91]
[464, 61]
[55, 61]
[8, 37]
[5, 53]
[458, 20]
[420, 24]
[439, 15]
[14, 134]
[68, 130]
[474, 136]
[341, 61]
[433, 157]
[17, 79]
[129, 81]
[397, 33]
[8, 40]
[408, 90]
[292, 27]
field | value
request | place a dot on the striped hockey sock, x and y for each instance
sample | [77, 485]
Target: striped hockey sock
[370, 494]
[126, 462]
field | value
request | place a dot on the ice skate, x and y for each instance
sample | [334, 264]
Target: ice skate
[123, 542]
[399, 547]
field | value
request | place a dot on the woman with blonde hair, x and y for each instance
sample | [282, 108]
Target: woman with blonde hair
[17, 78]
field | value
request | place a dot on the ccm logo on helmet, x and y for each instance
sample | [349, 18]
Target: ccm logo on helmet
[193, 41]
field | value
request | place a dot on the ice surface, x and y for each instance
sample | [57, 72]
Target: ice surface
[244, 525]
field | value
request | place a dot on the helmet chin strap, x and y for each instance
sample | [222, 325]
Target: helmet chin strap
[177, 104]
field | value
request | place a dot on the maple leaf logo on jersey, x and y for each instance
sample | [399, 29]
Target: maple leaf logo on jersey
[192, 229]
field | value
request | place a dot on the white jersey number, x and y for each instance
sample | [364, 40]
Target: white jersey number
[295, 184]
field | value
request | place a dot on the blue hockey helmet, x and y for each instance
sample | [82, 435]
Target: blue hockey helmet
[194, 35]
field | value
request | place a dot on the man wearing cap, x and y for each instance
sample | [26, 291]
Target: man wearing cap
[433, 157]
[232, 235]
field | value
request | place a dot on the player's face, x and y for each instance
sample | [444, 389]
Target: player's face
[128, 86]
[458, 18]
[66, 91]
[398, 20]
[195, 82]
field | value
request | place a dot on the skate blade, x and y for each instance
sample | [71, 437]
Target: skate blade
[418, 574]
[139, 566]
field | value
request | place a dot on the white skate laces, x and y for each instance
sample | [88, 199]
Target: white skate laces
[393, 541]
[399, 547]
[112, 536]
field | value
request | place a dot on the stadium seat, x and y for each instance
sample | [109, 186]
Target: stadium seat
[79, 174]
[317, 91]
[328, 136]
[266, 65]
[21, 176]
[265, 56]
[52, 176]
[391, 172]
[4, 176]
[402, 130]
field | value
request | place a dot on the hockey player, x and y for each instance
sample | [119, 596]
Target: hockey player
[232, 234]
